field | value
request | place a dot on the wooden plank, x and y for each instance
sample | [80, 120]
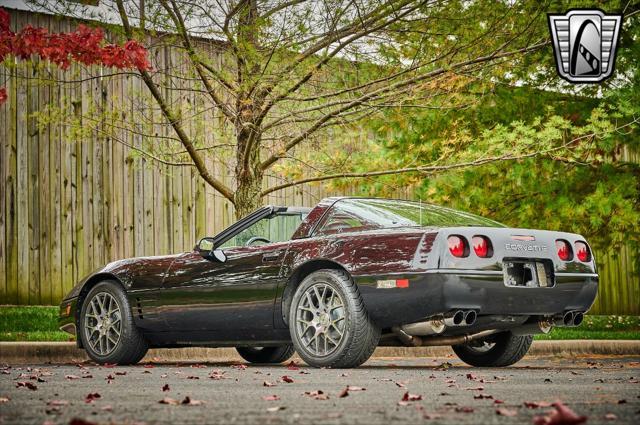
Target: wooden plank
[4, 153]
[107, 226]
[22, 194]
[55, 184]
[66, 199]
[98, 189]
[44, 193]
[33, 140]
[11, 185]
[117, 165]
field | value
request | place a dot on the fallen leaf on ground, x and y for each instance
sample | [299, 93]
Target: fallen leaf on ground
[169, 400]
[536, 404]
[317, 395]
[506, 412]
[239, 366]
[268, 384]
[121, 373]
[292, 365]
[27, 384]
[91, 397]
[464, 409]
[57, 403]
[483, 396]
[4, 399]
[411, 397]
[187, 401]
[275, 408]
[610, 417]
[287, 379]
[562, 415]
[72, 377]
[354, 388]
[217, 375]
[165, 387]
[272, 397]
[475, 389]
[344, 393]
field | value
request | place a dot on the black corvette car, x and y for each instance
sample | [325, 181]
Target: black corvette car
[335, 281]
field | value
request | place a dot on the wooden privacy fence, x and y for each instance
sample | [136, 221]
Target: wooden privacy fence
[70, 204]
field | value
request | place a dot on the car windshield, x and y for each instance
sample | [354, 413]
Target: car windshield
[276, 228]
[369, 214]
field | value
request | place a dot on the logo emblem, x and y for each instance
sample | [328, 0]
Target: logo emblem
[584, 44]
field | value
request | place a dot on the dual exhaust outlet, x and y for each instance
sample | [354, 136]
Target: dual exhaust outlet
[570, 318]
[468, 318]
[437, 326]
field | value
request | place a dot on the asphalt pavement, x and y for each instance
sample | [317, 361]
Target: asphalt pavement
[383, 391]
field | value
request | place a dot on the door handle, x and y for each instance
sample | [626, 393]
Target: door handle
[271, 256]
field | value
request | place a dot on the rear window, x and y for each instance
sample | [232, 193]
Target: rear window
[353, 215]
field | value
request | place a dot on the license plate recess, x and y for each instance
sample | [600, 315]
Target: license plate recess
[526, 273]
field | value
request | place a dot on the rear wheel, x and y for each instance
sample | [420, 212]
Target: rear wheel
[106, 326]
[266, 354]
[328, 322]
[503, 349]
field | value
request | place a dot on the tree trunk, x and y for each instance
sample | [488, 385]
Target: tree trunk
[249, 176]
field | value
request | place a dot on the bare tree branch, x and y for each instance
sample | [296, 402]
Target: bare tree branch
[173, 120]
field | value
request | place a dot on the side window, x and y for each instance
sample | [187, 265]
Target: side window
[278, 228]
[340, 220]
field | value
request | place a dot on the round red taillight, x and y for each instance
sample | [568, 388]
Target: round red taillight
[458, 246]
[564, 250]
[482, 246]
[582, 252]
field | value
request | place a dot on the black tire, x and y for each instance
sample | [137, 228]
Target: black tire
[131, 346]
[360, 335]
[507, 349]
[266, 354]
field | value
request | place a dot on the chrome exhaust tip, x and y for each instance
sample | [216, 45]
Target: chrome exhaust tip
[470, 317]
[455, 320]
[567, 319]
[578, 317]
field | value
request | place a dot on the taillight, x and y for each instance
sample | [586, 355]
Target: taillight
[582, 252]
[564, 250]
[482, 246]
[458, 246]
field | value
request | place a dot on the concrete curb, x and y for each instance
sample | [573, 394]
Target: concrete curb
[66, 352]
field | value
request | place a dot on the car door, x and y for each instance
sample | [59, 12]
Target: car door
[231, 300]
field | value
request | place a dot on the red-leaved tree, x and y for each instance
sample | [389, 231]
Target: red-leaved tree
[84, 45]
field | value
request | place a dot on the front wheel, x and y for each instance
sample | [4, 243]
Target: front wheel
[328, 322]
[500, 350]
[266, 354]
[106, 326]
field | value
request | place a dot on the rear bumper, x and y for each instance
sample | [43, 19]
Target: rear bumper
[439, 291]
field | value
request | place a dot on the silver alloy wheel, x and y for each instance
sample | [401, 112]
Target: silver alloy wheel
[320, 319]
[103, 323]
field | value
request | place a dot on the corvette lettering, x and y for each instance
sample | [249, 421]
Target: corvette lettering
[528, 248]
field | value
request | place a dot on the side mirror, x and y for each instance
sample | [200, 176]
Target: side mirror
[219, 255]
[206, 248]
